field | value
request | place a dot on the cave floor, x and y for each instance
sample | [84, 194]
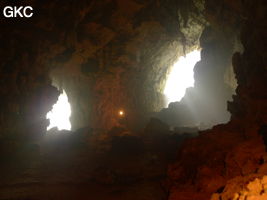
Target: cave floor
[62, 173]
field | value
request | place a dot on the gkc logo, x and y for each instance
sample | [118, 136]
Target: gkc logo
[14, 11]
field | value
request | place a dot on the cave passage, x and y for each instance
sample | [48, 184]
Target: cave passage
[60, 114]
[181, 77]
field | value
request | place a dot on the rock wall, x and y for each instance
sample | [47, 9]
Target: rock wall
[230, 160]
[250, 102]
[120, 60]
[115, 54]
[106, 55]
[26, 91]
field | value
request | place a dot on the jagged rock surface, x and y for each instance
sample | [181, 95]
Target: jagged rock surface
[229, 160]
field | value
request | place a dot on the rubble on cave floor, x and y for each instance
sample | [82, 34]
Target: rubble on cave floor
[229, 163]
[251, 187]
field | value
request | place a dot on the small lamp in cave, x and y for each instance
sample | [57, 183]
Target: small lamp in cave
[121, 113]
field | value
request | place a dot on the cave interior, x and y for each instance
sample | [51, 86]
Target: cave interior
[134, 100]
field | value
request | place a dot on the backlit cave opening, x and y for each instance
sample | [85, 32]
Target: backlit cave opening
[200, 84]
[59, 116]
[109, 134]
[181, 77]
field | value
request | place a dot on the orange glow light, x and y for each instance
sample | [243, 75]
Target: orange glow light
[121, 113]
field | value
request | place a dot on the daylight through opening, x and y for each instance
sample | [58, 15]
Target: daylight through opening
[181, 77]
[60, 114]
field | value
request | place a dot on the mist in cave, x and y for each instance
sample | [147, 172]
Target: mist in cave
[134, 100]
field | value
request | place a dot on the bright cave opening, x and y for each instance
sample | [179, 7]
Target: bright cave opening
[60, 114]
[181, 77]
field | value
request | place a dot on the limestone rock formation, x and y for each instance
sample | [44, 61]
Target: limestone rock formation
[107, 55]
[115, 55]
[229, 160]
[248, 187]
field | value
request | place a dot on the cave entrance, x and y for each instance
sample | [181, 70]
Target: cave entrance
[181, 77]
[60, 114]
